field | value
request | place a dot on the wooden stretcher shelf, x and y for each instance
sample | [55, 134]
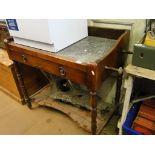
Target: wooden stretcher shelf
[81, 116]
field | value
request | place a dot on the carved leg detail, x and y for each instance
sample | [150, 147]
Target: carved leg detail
[22, 85]
[93, 112]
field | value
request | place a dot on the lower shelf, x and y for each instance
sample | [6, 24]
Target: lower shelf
[81, 116]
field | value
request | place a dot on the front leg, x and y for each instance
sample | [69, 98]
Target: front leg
[22, 85]
[92, 85]
[93, 112]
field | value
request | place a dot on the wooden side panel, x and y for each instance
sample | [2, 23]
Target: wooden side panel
[7, 80]
[113, 59]
[106, 33]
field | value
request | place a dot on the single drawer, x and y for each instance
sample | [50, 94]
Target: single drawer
[61, 70]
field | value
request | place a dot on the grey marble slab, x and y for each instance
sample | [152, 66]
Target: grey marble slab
[89, 49]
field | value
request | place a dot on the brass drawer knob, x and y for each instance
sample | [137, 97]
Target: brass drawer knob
[62, 71]
[24, 58]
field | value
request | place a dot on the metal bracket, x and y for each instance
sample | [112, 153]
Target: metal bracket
[24, 58]
[118, 70]
[62, 71]
[126, 52]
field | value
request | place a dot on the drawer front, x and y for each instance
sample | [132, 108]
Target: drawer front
[75, 75]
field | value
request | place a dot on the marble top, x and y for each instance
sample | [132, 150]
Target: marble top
[87, 50]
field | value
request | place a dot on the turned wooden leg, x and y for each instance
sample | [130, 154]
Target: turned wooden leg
[22, 85]
[93, 112]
